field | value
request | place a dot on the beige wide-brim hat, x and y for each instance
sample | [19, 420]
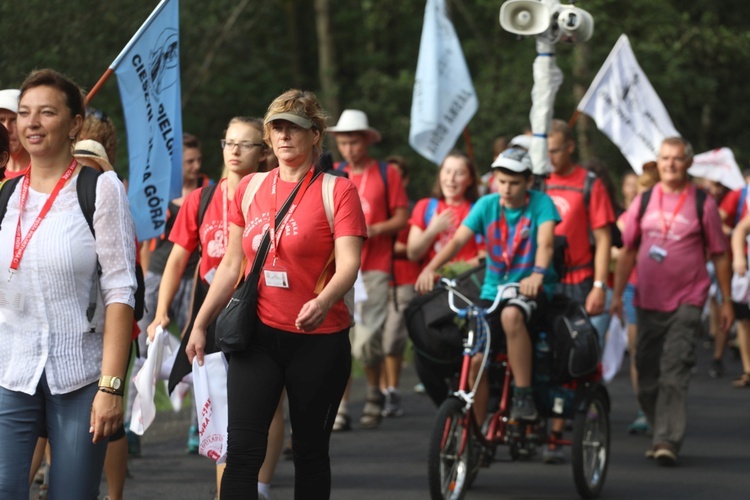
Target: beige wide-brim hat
[9, 99]
[94, 150]
[354, 120]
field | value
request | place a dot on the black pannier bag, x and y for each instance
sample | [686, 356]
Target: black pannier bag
[575, 342]
[431, 323]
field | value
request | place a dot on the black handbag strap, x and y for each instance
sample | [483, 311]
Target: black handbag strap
[265, 243]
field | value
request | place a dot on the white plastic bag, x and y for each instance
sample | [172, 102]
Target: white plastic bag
[741, 288]
[157, 366]
[614, 349]
[210, 384]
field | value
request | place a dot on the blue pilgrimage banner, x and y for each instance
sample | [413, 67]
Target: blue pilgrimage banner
[444, 99]
[148, 75]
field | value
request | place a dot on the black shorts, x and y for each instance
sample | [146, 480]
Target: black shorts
[532, 309]
[741, 311]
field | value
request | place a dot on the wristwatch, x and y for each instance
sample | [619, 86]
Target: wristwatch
[600, 284]
[113, 383]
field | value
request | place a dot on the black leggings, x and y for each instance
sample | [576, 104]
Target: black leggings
[314, 369]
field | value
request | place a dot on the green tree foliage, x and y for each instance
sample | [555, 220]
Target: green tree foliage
[236, 56]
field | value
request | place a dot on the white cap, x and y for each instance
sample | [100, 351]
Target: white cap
[354, 120]
[9, 99]
[513, 159]
[523, 141]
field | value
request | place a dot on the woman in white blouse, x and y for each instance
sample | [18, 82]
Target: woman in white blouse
[61, 368]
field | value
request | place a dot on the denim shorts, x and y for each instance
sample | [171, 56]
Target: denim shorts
[627, 300]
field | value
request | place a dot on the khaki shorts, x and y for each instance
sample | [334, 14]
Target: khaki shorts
[367, 335]
[395, 333]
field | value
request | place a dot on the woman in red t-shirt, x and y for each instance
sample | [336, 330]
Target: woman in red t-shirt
[434, 220]
[301, 341]
[244, 152]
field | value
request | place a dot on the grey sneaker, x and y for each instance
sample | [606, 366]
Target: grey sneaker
[523, 408]
[392, 407]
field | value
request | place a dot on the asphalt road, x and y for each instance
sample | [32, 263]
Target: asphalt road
[390, 462]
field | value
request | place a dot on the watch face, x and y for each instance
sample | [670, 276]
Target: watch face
[116, 383]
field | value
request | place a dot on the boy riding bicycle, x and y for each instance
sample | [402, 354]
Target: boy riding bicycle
[517, 224]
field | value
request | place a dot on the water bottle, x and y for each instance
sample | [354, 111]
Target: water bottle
[541, 360]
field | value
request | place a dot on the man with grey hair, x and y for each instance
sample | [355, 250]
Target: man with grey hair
[669, 230]
[19, 158]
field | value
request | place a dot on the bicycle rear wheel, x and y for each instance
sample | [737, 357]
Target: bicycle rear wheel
[590, 451]
[449, 467]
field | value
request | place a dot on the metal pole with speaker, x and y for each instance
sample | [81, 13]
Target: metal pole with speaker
[550, 23]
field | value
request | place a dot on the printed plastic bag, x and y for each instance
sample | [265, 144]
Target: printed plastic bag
[614, 349]
[210, 384]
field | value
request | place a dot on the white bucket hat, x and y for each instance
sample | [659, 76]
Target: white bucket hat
[94, 150]
[354, 120]
[9, 99]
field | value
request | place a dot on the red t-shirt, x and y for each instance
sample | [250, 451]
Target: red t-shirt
[576, 220]
[11, 175]
[729, 207]
[378, 251]
[211, 236]
[305, 244]
[405, 272]
[468, 252]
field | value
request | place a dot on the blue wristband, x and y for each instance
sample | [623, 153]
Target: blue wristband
[539, 270]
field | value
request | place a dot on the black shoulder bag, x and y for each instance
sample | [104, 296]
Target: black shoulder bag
[237, 323]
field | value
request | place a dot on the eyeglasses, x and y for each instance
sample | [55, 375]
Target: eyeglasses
[244, 146]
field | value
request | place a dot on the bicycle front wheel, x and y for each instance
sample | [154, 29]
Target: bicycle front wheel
[448, 463]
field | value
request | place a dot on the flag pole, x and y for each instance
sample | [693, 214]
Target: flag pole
[469, 148]
[574, 118]
[98, 85]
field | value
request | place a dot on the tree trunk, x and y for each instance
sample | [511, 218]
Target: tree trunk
[326, 58]
[294, 46]
[581, 81]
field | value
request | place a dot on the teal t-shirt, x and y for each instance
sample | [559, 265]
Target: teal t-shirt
[485, 220]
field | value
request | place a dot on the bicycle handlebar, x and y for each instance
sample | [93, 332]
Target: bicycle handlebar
[504, 292]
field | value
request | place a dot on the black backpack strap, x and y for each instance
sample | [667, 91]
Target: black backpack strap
[86, 190]
[700, 201]
[6, 191]
[588, 186]
[645, 198]
[207, 194]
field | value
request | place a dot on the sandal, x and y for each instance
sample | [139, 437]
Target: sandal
[342, 422]
[743, 381]
[372, 413]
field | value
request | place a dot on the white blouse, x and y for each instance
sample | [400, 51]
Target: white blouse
[47, 329]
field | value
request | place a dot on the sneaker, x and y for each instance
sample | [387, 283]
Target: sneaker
[716, 370]
[134, 442]
[193, 441]
[664, 454]
[419, 388]
[392, 407]
[639, 425]
[553, 454]
[523, 408]
[650, 453]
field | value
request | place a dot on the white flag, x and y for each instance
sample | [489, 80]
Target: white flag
[625, 106]
[718, 165]
[444, 98]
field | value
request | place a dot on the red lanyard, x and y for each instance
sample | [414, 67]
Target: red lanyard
[664, 226]
[275, 239]
[19, 246]
[520, 235]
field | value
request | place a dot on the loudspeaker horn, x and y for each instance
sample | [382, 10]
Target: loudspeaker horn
[576, 24]
[525, 17]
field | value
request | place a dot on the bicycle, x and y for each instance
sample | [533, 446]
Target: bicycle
[459, 447]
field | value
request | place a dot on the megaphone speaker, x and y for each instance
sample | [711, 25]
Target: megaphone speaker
[525, 17]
